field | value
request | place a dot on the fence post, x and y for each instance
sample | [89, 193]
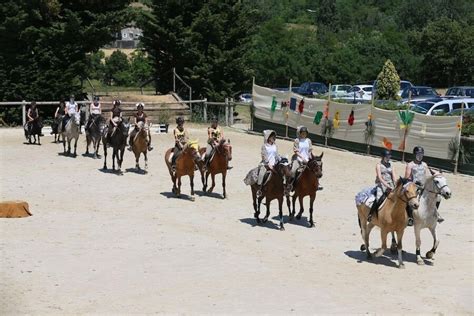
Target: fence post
[205, 110]
[23, 112]
[226, 111]
[232, 104]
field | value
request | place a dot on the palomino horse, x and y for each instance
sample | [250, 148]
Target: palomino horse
[273, 189]
[118, 141]
[218, 164]
[307, 184]
[94, 134]
[185, 165]
[391, 217]
[33, 129]
[426, 215]
[71, 132]
[140, 144]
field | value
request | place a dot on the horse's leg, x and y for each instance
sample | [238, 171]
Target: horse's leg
[254, 203]
[224, 174]
[88, 142]
[300, 200]
[213, 176]
[419, 260]
[265, 219]
[146, 159]
[400, 249]
[114, 155]
[365, 233]
[178, 190]
[68, 146]
[393, 245]
[311, 202]
[430, 253]
[292, 215]
[191, 181]
[381, 250]
[105, 156]
[39, 139]
[75, 146]
[137, 158]
[257, 214]
[120, 155]
[204, 180]
[280, 214]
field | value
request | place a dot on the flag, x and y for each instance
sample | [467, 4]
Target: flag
[318, 117]
[274, 104]
[406, 117]
[326, 110]
[387, 143]
[350, 120]
[335, 121]
[301, 106]
[293, 104]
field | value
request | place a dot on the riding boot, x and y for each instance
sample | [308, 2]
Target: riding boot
[373, 210]
[410, 215]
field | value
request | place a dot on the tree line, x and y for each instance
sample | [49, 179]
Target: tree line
[49, 47]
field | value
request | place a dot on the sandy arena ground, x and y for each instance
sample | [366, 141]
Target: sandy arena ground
[102, 243]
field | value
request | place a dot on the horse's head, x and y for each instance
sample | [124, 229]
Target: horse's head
[76, 118]
[315, 164]
[408, 192]
[125, 126]
[282, 167]
[440, 185]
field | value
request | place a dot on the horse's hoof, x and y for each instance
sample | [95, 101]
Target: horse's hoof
[264, 220]
[369, 256]
[430, 254]
[192, 198]
[298, 217]
[362, 247]
[401, 266]
[393, 249]
[209, 191]
[420, 262]
[282, 228]
[311, 225]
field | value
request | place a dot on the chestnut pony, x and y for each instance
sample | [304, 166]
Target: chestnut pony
[218, 164]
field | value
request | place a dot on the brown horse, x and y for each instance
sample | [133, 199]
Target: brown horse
[391, 217]
[307, 184]
[218, 164]
[140, 145]
[185, 165]
[273, 189]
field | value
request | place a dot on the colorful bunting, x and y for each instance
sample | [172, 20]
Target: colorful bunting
[387, 143]
[293, 104]
[350, 120]
[318, 117]
[301, 106]
[406, 118]
[326, 110]
[274, 104]
[335, 121]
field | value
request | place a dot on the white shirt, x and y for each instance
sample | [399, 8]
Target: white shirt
[303, 148]
[272, 154]
[95, 109]
[71, 108]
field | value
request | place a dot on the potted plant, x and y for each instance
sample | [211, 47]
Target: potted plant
[164, 115]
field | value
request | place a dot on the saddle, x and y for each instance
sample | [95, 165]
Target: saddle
[298, 174]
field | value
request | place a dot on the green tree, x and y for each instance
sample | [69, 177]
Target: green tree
[117, 69]
[141, 67]
[96, 67]
[388, 82]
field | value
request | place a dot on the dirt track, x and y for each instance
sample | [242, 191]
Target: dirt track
[102, 243]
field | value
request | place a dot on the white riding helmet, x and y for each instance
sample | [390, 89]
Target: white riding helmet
[140, 104]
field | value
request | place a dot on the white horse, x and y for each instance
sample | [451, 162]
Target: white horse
[426, 215]
[71, 132]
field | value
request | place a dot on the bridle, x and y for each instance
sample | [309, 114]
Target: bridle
[408, 198]
[440, 188]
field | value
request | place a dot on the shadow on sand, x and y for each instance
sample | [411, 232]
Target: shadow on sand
[253, 222]
[136, 171]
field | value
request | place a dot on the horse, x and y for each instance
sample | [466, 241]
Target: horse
[391, 217]
[118, 141]
[219, 162]
[307, 183]
[185, 165]
[274, 188]
[55, 128]
[426, 215]
[33, 128]
[94, 134]
[71, 132]
[140, 144]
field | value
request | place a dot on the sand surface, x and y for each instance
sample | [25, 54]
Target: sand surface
[102, 243]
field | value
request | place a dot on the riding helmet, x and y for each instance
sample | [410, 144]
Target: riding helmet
[214, 119]
[117, 102]
[386, 153]
[96, 98]
[418, 150]
[138, 105]
[303, 129]
[179, 120]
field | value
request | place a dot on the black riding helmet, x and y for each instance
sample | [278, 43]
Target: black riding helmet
[303, 130]
[418, 150]
[179, 120]
[117, 102]
[386, 153]
[96, 98]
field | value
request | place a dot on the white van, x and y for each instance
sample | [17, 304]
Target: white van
[442, 107]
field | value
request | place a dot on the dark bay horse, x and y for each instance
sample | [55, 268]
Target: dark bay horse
[185, 166]
[33, 129]
[273, 189]
[218, 164]
[94, 134]
[118, 141]
[307, 184]
[140, 145]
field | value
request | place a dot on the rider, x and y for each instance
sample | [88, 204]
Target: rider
[214, 137]
[384, 180]
[417, 171]
[302, 148]
[32, 115]
[270, 157]
[58, 115]
[115, 119]
[71, 110]
[180, 139]
[95, 111]
[140, 116]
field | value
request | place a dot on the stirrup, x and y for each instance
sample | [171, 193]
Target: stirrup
[320, 188]
[259, 193]
[369, 218]
[410, 221]
[150, 148]
[129, 148]
[440, 219]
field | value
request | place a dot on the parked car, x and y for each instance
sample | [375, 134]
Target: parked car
[245, 98]
[456, 112]
[442, 107]
[462, 91]
[295, 89]
[312, 88]
[418, 93]
[360, 91]
[339, 90]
